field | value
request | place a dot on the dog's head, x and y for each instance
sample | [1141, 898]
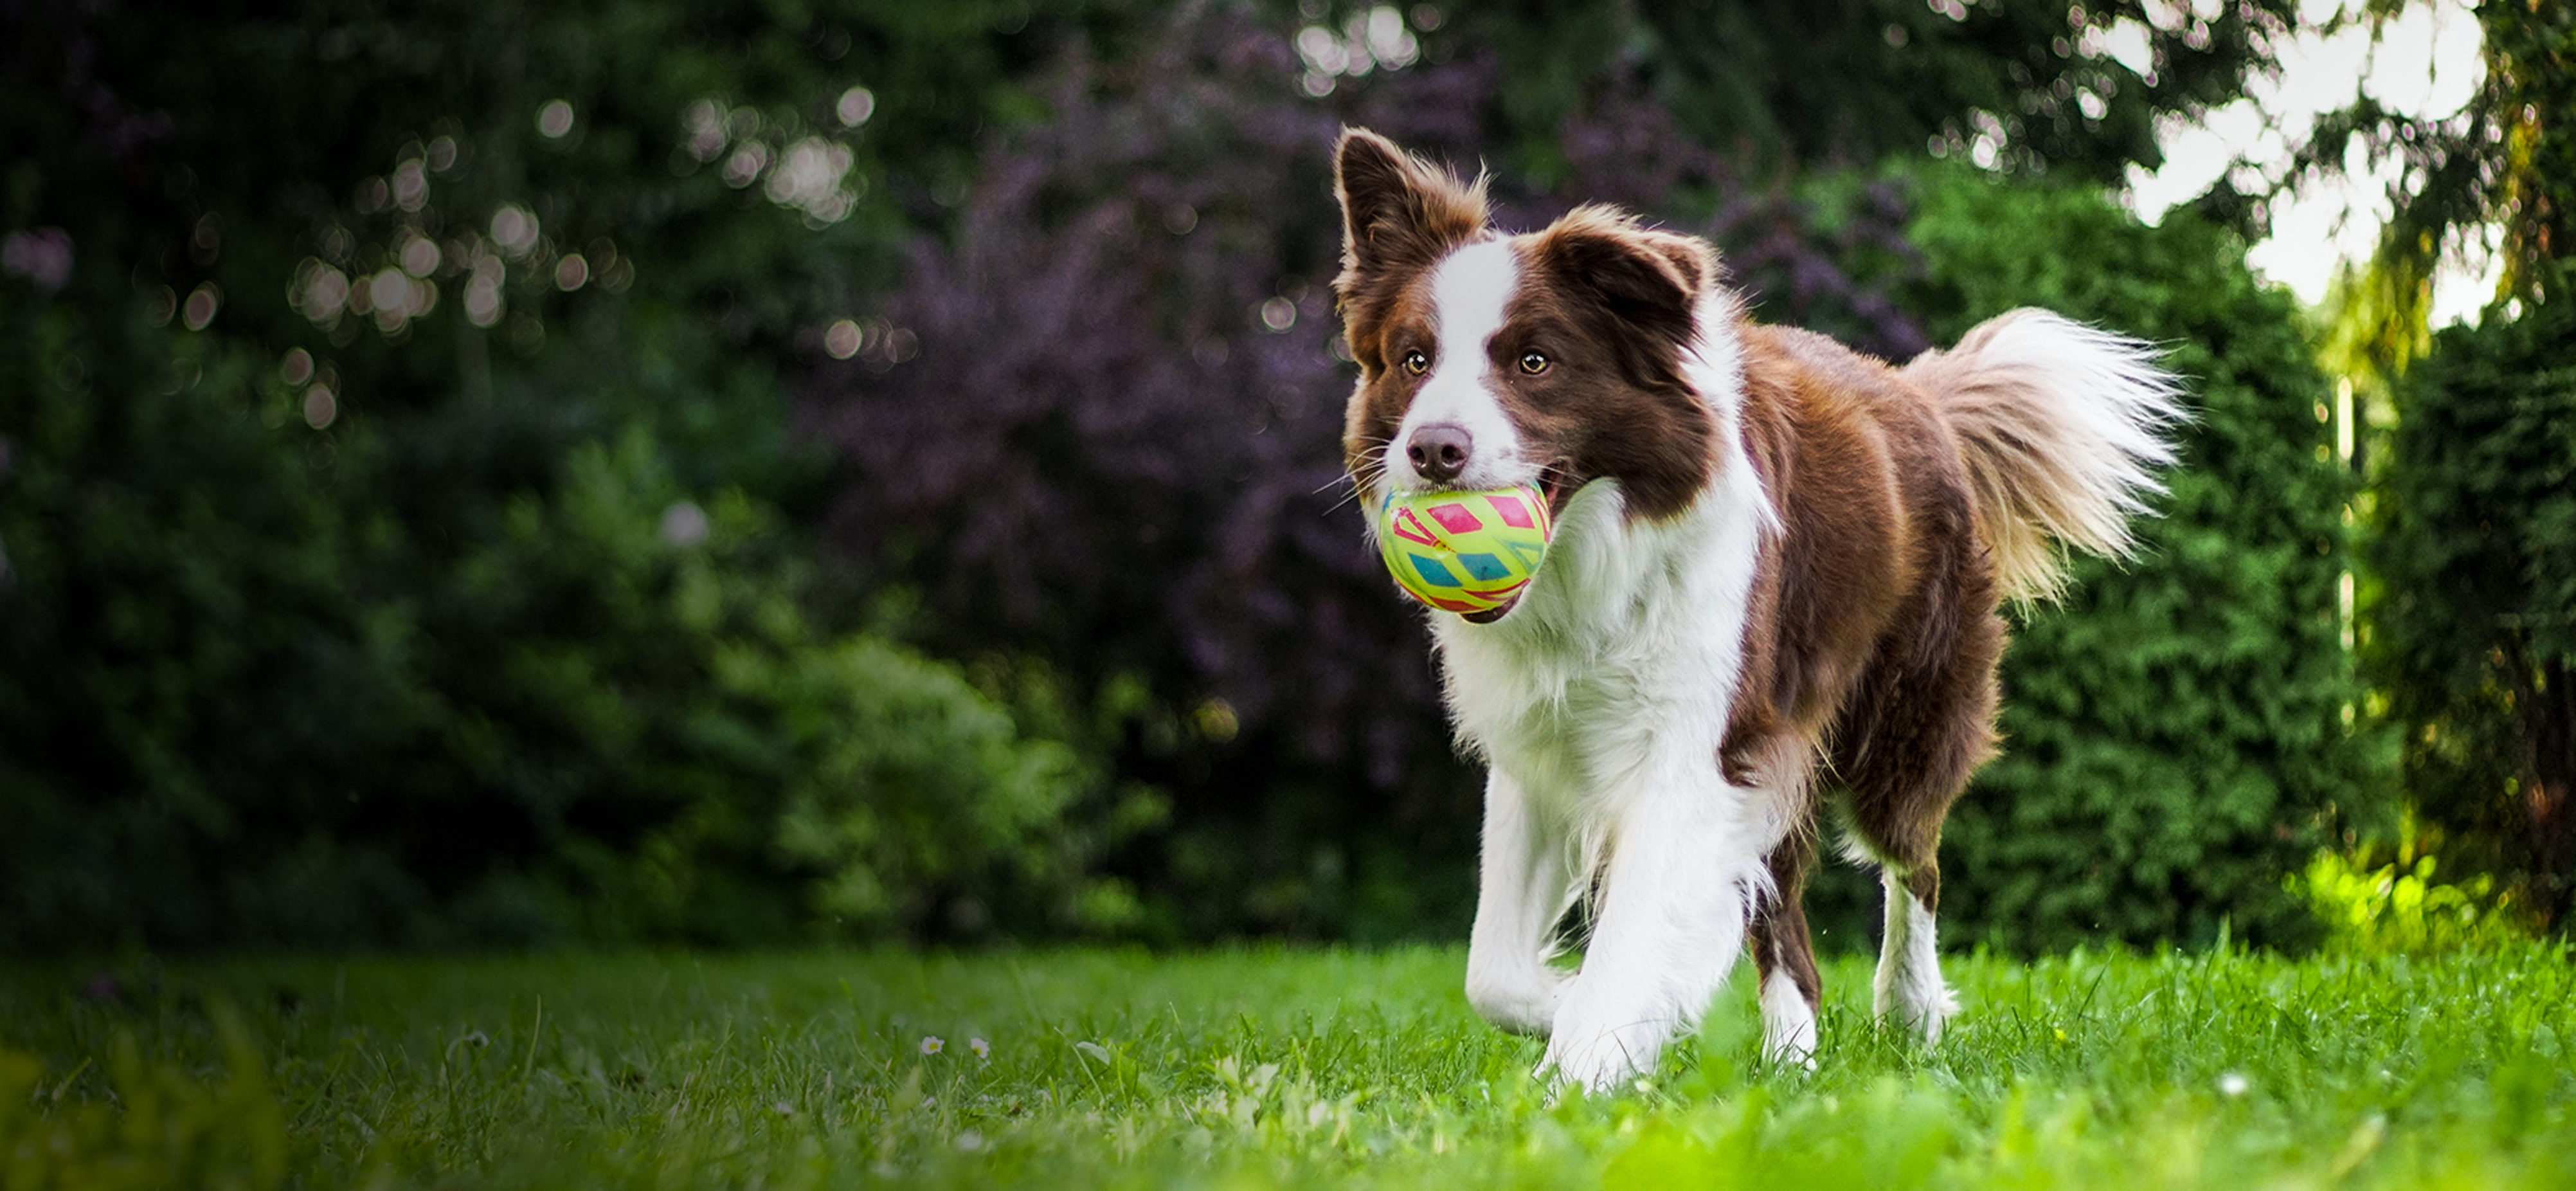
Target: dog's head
[1552, 358]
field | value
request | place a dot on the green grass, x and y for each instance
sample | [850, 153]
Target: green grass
[1252, 1068]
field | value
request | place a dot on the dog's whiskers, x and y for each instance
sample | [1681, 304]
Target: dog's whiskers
[1372, 468]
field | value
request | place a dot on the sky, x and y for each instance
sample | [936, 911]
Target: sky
[2425, 62]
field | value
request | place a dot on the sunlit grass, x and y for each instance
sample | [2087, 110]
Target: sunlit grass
[1102, 1068]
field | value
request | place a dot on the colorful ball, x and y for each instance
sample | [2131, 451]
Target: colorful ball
[1464, 552]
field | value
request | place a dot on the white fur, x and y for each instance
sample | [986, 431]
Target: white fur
[1600, 702]
[1909, 989]
[1470, 290]
[2059, 425]
[2116, 400]
[1525, 886]
[1788, 1022]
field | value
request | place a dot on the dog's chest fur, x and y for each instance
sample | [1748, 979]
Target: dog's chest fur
[1628, 648]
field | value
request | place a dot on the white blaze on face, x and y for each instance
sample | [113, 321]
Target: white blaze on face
[1470, 289]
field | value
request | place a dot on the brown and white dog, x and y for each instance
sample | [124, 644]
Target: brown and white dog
[1774, 588]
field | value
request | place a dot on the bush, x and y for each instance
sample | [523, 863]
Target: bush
[481, 617]
[237, 705]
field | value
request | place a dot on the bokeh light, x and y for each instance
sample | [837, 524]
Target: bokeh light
[810, 179]
[411, 185]
[555, 119]
[515, 229]
[842, 340]
[684, 524]
[704, 122]
[746, 164]
[856, 105]
[420, 256]
[201, 306]
[41, 255]
[484, 305]
[1278, 314]
[321, 407]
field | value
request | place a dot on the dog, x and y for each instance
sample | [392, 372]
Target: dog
[1774, 590]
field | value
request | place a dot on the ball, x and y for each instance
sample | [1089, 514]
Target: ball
[1464, 552]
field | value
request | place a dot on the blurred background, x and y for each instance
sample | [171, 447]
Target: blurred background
[483, 474]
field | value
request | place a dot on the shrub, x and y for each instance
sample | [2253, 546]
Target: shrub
[234, 707]
[326, 622]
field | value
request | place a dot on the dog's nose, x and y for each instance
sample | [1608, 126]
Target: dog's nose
[1439, 451]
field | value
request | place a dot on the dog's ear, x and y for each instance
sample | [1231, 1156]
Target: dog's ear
[1649, 280]
[1398, 211]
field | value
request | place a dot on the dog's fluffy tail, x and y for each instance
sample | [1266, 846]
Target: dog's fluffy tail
[2060, 425]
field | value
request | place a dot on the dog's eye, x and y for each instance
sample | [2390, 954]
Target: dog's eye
[1416, 363]
[1533, 363]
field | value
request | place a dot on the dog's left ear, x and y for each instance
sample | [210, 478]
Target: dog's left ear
[1649, 280]
[1398, 211]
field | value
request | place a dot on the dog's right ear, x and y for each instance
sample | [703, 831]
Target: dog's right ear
[1398, 211]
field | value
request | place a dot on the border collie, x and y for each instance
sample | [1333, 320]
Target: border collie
[1774, 589]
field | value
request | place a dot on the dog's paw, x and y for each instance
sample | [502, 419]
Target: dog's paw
[1922, 1012]
[1938, 1009]
[1791, 1046]
[1602, 1063]
[1524, 1003]
[1602, 1047]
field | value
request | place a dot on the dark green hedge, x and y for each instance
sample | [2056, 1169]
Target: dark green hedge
[2472, 626]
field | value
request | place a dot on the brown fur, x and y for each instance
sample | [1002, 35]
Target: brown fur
[1616, 316]
[1400, 214]
[1873, 632]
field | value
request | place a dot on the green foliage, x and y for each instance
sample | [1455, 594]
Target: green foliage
[239, 708]
[2176, 732]
[2505, 161]
[2029, 86]
[2399, 907]
[399, 540]
[401, 521]
[157, 1126]
[1328, 1068]
[2472, 627]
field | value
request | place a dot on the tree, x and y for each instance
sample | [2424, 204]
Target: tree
[2465, 624]
[2506, 161]
[2022, 85]
[395, 493]
[2473, 631]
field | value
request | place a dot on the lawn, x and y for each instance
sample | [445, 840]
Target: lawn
[1249, 1068]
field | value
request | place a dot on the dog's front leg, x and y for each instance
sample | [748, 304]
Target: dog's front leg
[1684, 859]
[1523, 883]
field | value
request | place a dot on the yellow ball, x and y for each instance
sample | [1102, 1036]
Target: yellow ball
[1463, 551]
